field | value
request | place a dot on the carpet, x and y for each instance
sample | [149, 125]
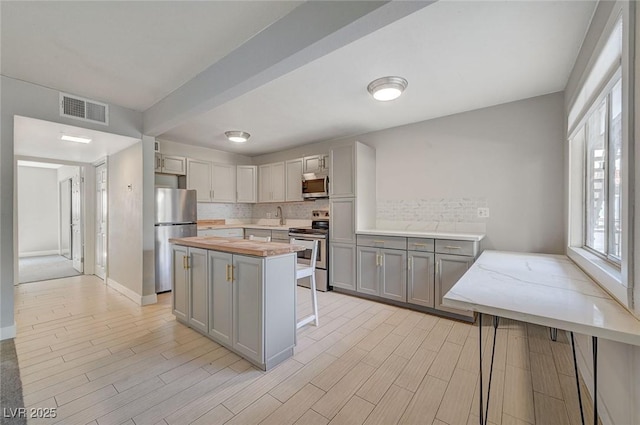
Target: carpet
[10, 386]
[46, 267]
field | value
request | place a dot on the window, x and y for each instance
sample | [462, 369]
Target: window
[603, 206]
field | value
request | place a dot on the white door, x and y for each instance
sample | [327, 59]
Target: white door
[65, 218]
[76, 223]
[101, 221]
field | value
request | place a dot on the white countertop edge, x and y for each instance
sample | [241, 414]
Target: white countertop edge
[476, 237]
[623, 337]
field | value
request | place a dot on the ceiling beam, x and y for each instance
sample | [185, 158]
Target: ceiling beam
[309, 32]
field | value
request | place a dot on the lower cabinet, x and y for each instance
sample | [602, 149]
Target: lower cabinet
[245, 303]
[342, 266]
[449, 269]
[190, 289]
[420, 278]
[382, 272]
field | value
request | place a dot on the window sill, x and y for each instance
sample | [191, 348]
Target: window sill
[602, 272]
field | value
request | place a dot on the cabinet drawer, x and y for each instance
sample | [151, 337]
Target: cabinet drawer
[444, 246]
[420, 244]
[391, 242]
[261, 233]
[223, 233]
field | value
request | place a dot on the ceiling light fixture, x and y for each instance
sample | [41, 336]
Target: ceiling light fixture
[75, 139]
[387, 88]
[237, 136]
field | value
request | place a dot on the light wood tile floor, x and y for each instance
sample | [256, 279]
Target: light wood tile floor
[98, 358]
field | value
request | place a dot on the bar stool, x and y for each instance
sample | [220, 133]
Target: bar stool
[260, 239]
[308, 270]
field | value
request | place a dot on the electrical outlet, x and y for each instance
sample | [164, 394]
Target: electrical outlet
[483, 212]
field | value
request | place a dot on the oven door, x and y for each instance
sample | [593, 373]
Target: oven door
[304, 257]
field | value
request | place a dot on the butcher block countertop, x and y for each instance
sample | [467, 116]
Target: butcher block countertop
[238, 246]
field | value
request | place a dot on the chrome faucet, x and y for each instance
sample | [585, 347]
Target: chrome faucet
[279, 214]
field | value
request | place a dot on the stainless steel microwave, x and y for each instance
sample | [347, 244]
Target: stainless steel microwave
[315, 186]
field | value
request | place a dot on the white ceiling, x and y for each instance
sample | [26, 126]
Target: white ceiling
[457, 56]
[38, 138]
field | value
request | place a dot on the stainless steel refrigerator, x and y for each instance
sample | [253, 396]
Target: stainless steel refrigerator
[176, 217]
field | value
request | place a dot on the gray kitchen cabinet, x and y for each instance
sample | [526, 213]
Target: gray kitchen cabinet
[368, 270]
[420, 277]
[342, 269]
[235, 233]
[293, 180]
[199, 179]
[271, 182]
[180, 279]
[342, 224]
[247, 282]
[449, 269]
[190, 286]
[280, 236]
[221, 299]
[393, 274]
[342, 182]
[260, 233]
[170, 164]
[316, 164]
[198, 312]
[212, 182]
[382, 272]
[246, 183]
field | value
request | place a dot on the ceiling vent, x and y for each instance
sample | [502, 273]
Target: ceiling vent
[83, 109]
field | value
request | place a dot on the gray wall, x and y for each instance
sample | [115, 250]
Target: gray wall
[126, 218]
[510, 154]
[37, 210]
[30, 100]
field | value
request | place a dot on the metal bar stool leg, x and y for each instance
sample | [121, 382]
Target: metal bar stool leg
[575, 369]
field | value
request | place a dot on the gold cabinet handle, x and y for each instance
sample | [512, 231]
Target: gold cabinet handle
[409, 260]
[452, 247]
[232, 272]
[419, 244]
[378, 241]
[227, 273]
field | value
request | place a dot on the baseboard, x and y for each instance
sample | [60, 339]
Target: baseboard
[38, 253]
[132, 295]
[8, 332]
[149, 299]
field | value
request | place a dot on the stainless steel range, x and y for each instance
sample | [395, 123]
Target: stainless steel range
[319, 231]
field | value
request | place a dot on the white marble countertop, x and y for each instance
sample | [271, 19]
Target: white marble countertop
[425, 234]
[548, 290]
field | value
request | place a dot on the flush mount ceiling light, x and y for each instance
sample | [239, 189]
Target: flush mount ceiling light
[75, 139]
[387, 88]
[237, 136]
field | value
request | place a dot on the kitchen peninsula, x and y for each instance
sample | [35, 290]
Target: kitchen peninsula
[239, 293]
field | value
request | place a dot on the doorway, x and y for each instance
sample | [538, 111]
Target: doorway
[49, 221]
[101, 220]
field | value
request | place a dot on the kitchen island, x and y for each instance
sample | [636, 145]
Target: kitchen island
[239, 293]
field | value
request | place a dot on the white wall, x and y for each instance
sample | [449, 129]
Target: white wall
[125, 256]
[168, 147]
[38, 214]
[31, 100]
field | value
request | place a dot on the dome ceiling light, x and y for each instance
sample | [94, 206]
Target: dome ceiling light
[387, 88]
[237, 136]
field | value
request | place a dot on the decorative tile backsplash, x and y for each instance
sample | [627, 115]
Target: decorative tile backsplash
[443, 210]
[292, 210]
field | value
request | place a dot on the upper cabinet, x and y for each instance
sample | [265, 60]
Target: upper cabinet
[212, 182]
[316, 164]
[247, 183]
[294, 180]
[271, 182]
[170, 164]
[342, 183]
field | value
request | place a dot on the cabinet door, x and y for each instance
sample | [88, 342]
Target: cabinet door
[393, 276]
[174, 164]
[223, 182]
[199, 178]
[221, 297]
[264, 183]
[180, 282]
[158, 164]
[261, 233]
[324, 163]
[368, 270]
[342, 266]
[342, 182]
[198, 289]
[343, 220]
[278, 182]
[247, 275]
[247, 180]
[450, 268]
[420, 278]
[294, 180]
